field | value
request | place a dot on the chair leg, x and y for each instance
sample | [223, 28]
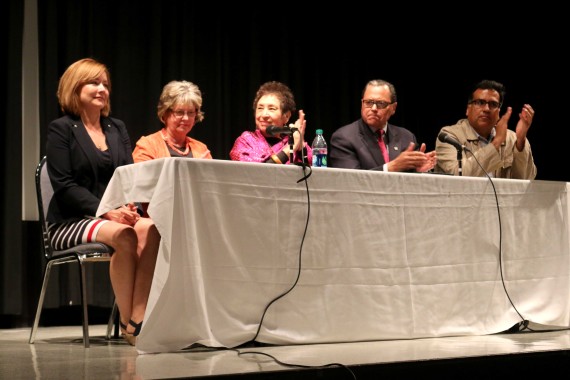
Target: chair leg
[113, 321]
[40, 303]
[117, 327]
[84, 303]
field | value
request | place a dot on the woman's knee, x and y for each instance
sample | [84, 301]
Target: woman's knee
[145, 228]
[119, 236]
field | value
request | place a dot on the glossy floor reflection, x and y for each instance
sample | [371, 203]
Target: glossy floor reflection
[59, 354]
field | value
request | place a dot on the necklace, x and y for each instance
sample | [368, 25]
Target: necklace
[175, 148]
[98, 137]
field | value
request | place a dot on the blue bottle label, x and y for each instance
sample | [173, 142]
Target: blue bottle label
[321, 160]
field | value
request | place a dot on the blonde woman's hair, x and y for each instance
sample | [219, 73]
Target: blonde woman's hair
[74, 78]
[180, 93]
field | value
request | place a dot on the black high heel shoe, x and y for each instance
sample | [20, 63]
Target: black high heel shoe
[130, 338]
[137, 327]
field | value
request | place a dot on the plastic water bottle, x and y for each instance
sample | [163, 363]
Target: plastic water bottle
[319, 148]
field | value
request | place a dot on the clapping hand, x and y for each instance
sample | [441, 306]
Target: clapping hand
[525, 120]
[299, 134]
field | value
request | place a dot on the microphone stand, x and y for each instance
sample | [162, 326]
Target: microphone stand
[459, 157]
[291, 153]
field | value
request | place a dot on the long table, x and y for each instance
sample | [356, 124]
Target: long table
[251, 250]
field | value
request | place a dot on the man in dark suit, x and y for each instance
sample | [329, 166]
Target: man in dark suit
[359, 145]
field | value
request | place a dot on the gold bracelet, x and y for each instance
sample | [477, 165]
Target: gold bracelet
[276, 159]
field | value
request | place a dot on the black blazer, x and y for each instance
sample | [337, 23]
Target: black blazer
[355, 146]
[71, 162]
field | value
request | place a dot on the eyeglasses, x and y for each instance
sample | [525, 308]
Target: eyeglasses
[179, 114]
[481, 103]
[379, 103]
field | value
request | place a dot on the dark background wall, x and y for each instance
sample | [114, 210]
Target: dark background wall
[325, 56]
[326, 60]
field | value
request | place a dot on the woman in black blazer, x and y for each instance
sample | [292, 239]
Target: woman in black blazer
[83, 149]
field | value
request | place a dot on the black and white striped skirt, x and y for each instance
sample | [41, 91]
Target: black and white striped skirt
[70, 234]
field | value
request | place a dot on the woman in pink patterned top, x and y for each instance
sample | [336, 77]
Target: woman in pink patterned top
[273, 106]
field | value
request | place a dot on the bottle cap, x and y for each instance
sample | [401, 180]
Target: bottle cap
[319, 131]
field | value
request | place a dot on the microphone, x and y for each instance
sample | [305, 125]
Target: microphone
[446, 138]
[274, 130]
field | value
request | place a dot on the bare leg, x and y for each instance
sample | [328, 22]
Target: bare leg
[123, 266]
[148, 243]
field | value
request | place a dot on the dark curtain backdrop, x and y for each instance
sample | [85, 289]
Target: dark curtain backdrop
[229, 52]
[326, 57]
[13, 260]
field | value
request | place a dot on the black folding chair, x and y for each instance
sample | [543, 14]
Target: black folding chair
[80, 255]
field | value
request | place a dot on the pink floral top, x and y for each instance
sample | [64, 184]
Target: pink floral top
[254, 147]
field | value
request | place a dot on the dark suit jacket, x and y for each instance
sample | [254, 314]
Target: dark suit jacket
[355, 146]
[71, 162]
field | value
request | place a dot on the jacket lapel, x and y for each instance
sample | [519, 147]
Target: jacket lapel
[85, 142]
[113, 138]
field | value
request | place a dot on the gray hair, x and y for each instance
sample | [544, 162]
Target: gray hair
[380, 82]
[180, 93]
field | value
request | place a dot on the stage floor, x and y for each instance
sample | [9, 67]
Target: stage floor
[58, 353]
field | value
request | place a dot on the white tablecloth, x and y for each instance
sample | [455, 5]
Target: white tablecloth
[384, 255]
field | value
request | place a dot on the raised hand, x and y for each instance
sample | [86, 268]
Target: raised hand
[525, 120]
[501, 129]
[299, 135]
